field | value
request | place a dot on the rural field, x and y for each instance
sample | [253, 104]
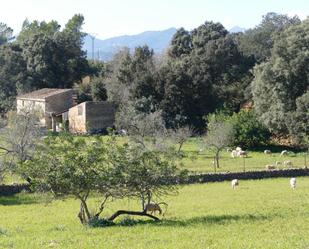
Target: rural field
[198, 161]
[258, 214]
[202, 161]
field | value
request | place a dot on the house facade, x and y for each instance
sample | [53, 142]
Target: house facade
[50, 102]
[57, 107]
[91, 117]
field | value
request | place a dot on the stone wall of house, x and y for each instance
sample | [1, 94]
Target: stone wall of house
[37, 105]
[77, 118]
[99, 116]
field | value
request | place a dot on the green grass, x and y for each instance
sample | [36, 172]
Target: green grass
[202, 161]
[259, 214]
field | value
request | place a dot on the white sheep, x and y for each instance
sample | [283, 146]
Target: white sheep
[234, 153]
[242, 153]
[234, 183]
[288, 164]
[284, 153]
[278, 163]
[238, 149]
[293, 182]
[123, 132]
[267, 152]
[270, 167]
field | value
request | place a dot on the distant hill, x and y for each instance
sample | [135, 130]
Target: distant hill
[237, 29]
[104, 49]
[157, 40]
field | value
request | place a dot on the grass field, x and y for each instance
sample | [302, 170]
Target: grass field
[259, 214]
[202, 161]
[196, 161]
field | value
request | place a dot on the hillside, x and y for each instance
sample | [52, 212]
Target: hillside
[157, 40]
[104, 49]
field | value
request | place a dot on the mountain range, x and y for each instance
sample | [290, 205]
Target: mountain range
[157, 40]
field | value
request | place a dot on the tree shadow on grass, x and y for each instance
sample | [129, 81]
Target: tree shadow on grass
[212, 220]
[200, 220]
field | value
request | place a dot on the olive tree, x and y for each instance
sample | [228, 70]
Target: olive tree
[143, 122]
[19, 136]
[149, 176]
[180, 135]
[81, 166]
[219, 135]
[68, 165]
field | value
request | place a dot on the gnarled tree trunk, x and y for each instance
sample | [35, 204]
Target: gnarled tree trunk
[121, 212]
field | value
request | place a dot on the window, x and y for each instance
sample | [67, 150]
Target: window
[79, 110]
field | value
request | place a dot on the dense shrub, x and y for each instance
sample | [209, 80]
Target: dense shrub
[248, 131]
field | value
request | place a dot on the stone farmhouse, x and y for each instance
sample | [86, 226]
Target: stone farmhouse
[57, 109]
[91, 116]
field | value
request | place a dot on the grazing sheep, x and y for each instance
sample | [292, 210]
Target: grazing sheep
[242, 153]
[238, 149]
[288, 164]
[229, 150]
[270, 167]
[267, 152]
[234, 153]
[123, 132]
[234, 183]
[284, 153]
[153, 208]
[278, 163]
[293, 182]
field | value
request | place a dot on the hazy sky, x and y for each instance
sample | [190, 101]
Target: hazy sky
[108, 18]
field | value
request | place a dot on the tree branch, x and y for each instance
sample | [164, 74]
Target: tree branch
[121, 212]
[101, 208]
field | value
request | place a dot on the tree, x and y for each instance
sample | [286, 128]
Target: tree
[248, 130]
[94, 90]
[118, 78]
[42, 56]
[149, 176]
[211, 73]
[5, 33]
[180, 135]
[30, 29]
[54, 58]
[20, 136]
[79, 167]
[143, 123]
[258, 42]
[181, 44]
[284, 78]
[98, 90]
[298, 124]
[13, 75]
[219, 135]
[84, 166]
